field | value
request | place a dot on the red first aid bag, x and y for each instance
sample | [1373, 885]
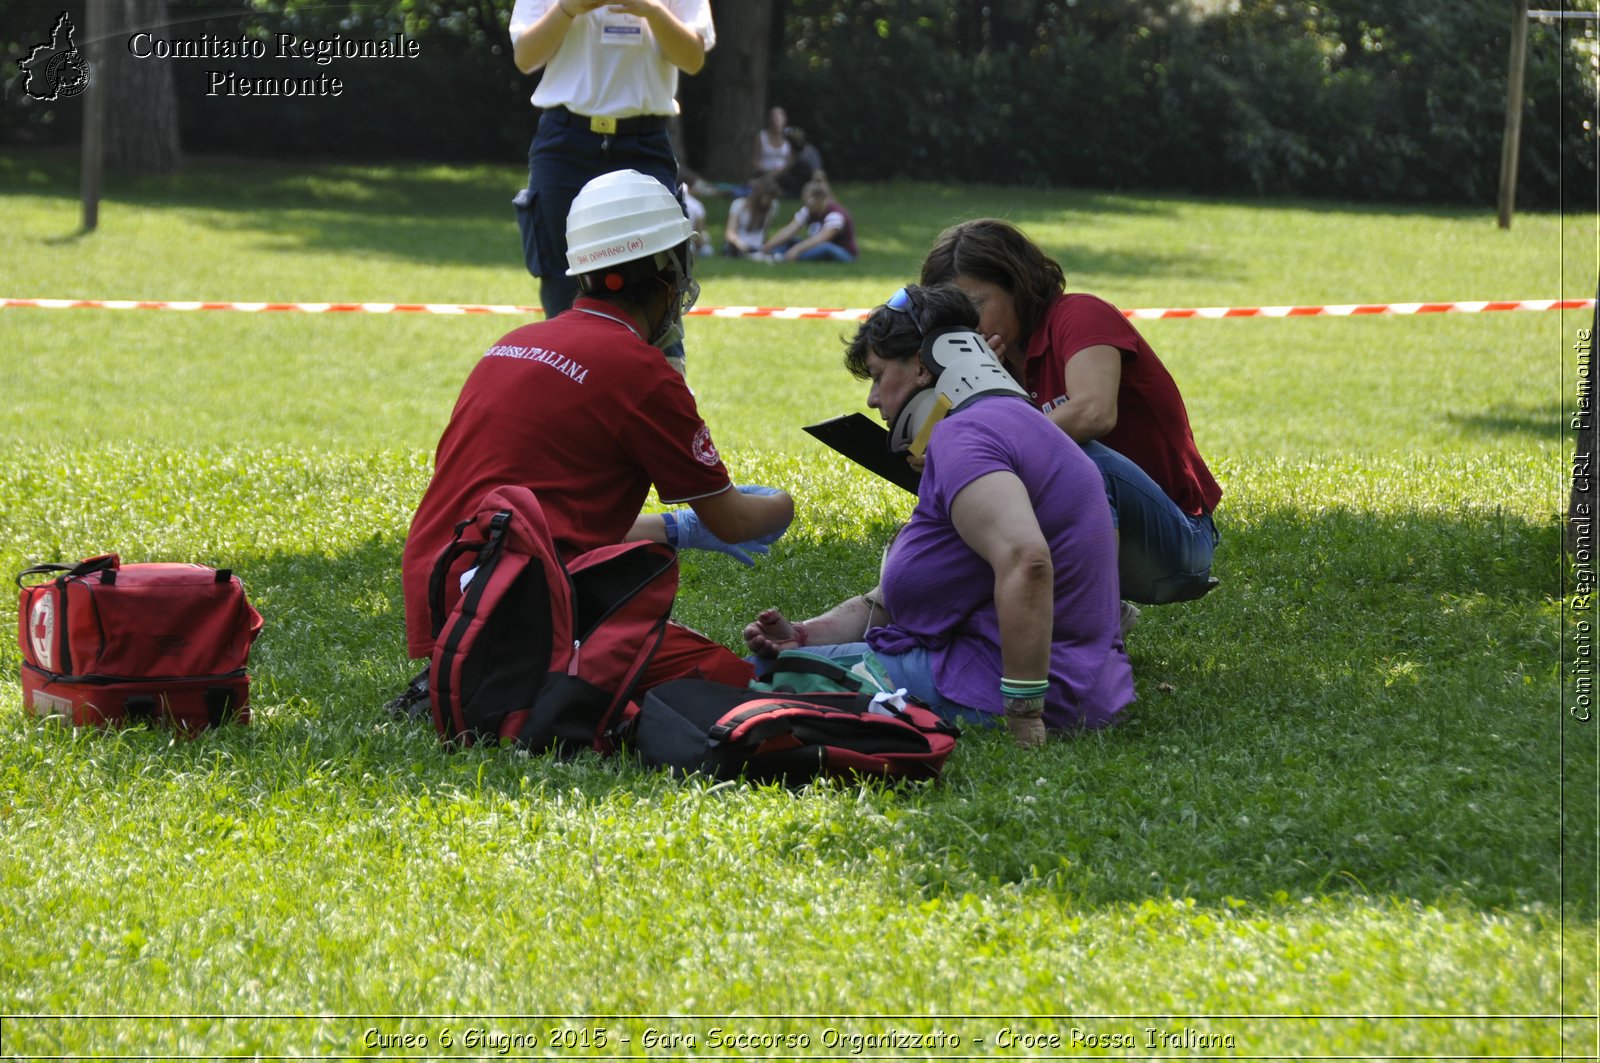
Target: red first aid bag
[103, 643]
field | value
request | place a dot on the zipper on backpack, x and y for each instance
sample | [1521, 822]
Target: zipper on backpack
[572, 665]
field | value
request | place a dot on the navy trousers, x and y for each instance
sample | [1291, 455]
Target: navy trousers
[562, 159]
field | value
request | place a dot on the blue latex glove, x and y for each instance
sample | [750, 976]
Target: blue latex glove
[770, 537]
[686, 532]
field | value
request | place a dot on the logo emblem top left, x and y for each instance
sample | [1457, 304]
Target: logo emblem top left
[56, 69]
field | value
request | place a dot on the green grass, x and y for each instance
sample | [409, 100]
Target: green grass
[1334, 824]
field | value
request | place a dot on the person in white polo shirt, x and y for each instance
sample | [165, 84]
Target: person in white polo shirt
[608, 92]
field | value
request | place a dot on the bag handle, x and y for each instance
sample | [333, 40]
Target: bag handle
[82, 568]
[38, 570]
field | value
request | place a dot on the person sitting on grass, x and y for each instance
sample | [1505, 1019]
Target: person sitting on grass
[585, 411]
[749, 218]
[830, 233]
[999, 596]
[804, 164]
[772, 150]
[1088, 368]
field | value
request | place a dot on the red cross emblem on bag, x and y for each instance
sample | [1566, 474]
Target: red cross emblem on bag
[42, 630]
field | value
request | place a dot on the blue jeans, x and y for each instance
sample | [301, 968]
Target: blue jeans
[912, 670]
[1163, 554]
[829, 252]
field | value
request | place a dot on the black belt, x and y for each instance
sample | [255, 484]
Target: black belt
[639, 123]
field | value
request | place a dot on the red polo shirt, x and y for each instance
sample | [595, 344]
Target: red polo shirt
[583, 412]
[1152, 424]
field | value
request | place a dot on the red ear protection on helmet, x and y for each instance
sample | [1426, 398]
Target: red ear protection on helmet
[614, 282]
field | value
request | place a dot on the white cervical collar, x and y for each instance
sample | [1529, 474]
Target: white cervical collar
[964, 368]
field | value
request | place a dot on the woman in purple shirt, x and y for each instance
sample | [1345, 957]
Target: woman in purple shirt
[1000, 595]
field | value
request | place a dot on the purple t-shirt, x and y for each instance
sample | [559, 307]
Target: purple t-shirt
[941, 593]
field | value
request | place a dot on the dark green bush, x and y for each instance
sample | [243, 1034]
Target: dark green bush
[1362, 99]
[1351, 98]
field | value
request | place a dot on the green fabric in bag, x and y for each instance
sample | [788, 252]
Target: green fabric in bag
[801, 672]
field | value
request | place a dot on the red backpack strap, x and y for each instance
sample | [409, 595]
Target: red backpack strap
[447, 558]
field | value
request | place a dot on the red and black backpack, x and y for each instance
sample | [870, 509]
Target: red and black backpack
[535, 651]
[692, 725]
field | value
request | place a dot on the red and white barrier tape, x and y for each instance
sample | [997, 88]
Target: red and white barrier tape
[805, 313]
[1366, 309]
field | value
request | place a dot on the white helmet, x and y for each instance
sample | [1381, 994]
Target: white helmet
[619, 217]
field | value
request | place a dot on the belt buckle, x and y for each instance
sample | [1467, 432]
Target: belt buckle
[602, 124]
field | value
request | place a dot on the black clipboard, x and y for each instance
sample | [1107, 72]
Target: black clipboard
[866, 443]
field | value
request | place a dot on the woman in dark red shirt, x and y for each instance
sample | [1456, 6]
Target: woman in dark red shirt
[1088, 368]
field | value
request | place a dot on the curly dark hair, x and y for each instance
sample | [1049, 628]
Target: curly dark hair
[995, 251]
[894, 335]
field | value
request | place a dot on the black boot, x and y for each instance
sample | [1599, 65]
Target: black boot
[413, 704]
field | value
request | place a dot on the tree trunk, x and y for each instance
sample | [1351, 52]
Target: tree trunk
[92, 141]
[738, 69]
[142, 113]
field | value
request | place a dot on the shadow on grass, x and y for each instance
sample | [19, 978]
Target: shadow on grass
[1368, 705]
[463, 214]
[1547, 424]
[424, 212]
[76, 236]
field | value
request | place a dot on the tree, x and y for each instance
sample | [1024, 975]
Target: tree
[738, 68]
[142, 109]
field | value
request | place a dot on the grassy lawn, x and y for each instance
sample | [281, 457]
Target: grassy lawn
[1350, 815]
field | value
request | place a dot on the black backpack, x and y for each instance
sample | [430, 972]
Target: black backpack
[728, 732]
